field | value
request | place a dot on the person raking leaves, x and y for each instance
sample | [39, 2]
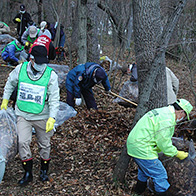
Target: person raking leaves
[81, 79]
[36, 106]
[152, 134]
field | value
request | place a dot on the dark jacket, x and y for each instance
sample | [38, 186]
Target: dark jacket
[81, 77]
[25, 19]
[52, 29]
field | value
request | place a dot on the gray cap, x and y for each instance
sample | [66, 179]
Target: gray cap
[32, 31]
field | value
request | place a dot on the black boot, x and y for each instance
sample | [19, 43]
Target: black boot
[166, 193]
[28, 177]
[140, 187]
[44, 170]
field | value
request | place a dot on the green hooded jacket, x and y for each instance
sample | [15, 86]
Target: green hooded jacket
[152, 134]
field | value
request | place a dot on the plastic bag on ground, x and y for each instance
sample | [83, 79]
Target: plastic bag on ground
[2, 166]
[181, 174]
[23, 56]
[61, 71]
[65, 112]
[8, 138]
[128, 91]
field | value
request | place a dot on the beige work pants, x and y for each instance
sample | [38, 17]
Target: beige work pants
[24, 128]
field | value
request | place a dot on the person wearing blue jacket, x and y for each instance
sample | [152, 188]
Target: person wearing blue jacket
[80, 81]
[11, 52]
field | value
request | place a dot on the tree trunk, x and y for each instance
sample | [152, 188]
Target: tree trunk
[92, 32]
[39, 6]
[82, 32]
[150, 47]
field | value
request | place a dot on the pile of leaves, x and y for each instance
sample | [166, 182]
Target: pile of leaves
[84, 153]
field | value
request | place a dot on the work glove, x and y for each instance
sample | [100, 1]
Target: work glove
[182, 155]
[78, 101]
[4, 104]
[50, 124]
[26, 45]
[17, 20]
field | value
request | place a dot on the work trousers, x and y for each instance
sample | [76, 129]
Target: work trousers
[24, 128]
[154, 169]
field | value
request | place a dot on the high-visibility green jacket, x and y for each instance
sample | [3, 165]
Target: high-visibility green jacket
[152, 134]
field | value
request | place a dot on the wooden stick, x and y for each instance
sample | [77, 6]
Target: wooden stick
[118, 96]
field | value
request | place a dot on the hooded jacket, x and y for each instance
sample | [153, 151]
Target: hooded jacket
[152, 134]
[81, 77]
[25, 20]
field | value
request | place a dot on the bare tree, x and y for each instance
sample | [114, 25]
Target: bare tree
[82, 31]
[39, 12]
[92, 32]
[150, 46]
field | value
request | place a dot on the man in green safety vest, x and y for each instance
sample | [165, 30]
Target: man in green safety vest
[29, 36]
[36, 106]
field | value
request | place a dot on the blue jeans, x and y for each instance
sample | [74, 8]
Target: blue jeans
[154, 169]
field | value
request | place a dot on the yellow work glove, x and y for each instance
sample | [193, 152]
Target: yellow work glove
[182, 155]
[50, 124]
[4, 104]
[102, 58]
[17, 20]
[26, 44]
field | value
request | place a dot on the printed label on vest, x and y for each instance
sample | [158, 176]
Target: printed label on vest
[31, 93]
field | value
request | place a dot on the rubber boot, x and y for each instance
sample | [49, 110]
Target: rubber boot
[44, 170]
[140, 187]
[28, 177]
[166, 193]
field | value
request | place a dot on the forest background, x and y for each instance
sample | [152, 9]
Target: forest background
[155, 34]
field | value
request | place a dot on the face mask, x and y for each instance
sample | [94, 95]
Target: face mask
[22, 12]
[178, 120]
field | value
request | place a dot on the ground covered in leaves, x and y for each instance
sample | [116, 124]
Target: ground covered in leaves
[85, 148]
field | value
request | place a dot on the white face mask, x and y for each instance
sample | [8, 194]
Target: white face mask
[178, 120]
[22, 12]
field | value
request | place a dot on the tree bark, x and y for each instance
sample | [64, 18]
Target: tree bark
[82, 32]
[92, 32]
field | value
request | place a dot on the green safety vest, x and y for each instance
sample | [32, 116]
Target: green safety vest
[18, 49]
[32, 40]
[32, 93]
